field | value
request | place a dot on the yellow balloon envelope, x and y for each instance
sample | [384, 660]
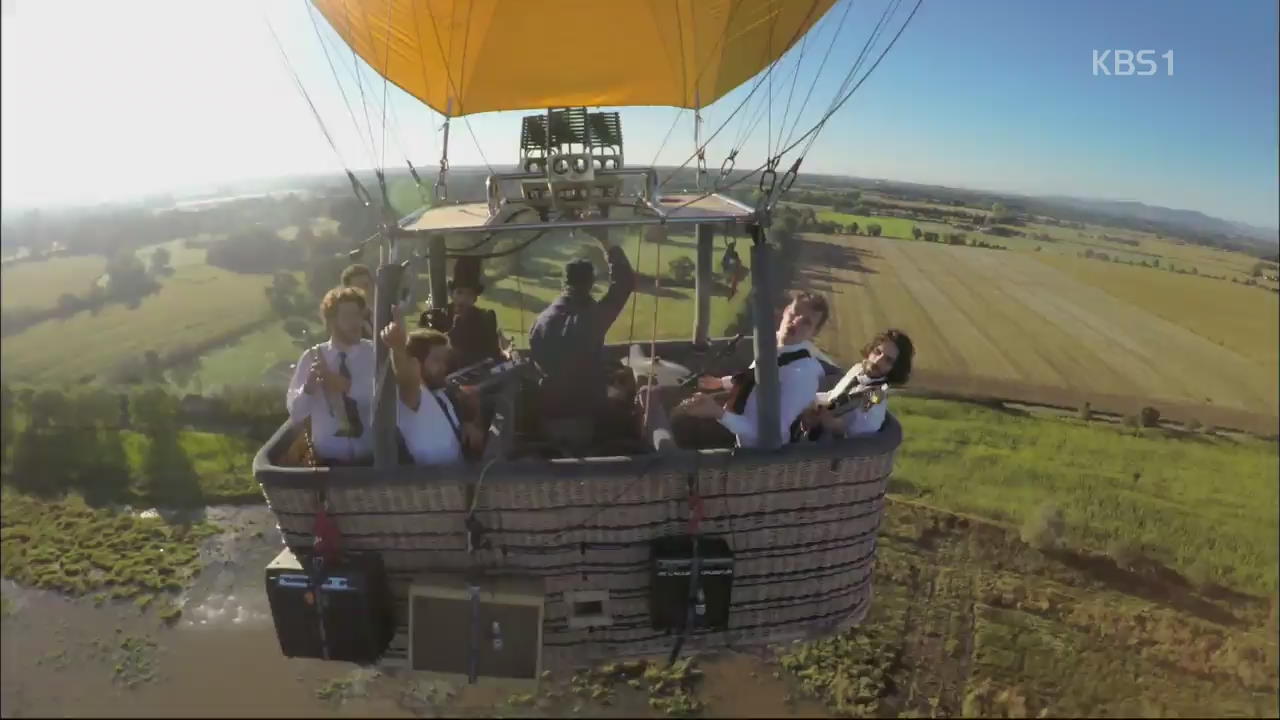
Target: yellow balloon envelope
[470, 56]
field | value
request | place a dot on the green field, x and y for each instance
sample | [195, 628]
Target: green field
[38, 285]
[1199, 499]
[195, 304]
[1007, 317]
[894, 227]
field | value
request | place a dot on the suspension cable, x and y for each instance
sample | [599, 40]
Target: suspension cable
[455, 86]
[830, 46]
[361, 193]
[759, 82]
[817, 127]
[337, 81]
[665, 138]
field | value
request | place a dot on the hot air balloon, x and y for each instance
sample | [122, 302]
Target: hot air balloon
[523, 560]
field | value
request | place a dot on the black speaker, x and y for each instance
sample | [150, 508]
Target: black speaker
[672, 563]
[344, 613]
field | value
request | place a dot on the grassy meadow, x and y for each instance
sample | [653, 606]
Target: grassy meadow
[1190, 502]
[894, 227]
[38, 285]
[1007, 316]
[195, 304]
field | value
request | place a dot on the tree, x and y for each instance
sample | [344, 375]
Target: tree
[682, 269]
[853, 228]
[1149, 416]
[127, 279]
[160, 261]
[154, 410]
[873, 230]
[998, 212]
[931, 237]
[285, 295]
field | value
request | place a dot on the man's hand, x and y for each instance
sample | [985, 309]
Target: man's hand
[394, 335]
[703, 406]
[328, 379]
[710, 384]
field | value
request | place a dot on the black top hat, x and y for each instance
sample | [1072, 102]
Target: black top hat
[466, 274]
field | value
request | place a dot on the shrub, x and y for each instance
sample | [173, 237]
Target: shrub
[1124, 553]
[1045, 527]
[1086, 412]
[1149, 416]
[1200, 575]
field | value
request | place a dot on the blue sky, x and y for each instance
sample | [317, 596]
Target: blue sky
[144, 95]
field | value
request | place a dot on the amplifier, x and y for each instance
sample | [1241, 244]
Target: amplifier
[497, 624]
[348, 617]
[672, 563]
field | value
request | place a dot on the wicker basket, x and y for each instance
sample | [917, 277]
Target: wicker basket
[802, 523]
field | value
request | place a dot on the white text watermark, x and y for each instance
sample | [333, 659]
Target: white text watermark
[1127, 62]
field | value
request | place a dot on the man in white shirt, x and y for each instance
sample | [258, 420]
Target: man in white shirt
[429, 422]
[799, 376]
[858, 403]
[333, 383]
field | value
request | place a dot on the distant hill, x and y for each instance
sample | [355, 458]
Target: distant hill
[1191, 225]
[1190, 219]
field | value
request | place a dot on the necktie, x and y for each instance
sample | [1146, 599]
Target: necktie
[353, 427]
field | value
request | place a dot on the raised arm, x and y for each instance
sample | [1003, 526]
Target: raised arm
[408, 379]
[622, 282]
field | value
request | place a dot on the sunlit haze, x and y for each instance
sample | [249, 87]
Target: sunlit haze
[107, 100]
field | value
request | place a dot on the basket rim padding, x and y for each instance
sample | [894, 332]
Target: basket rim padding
[524, 470]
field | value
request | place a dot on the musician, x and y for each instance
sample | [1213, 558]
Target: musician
[860, 399]
[434, 430]
[799, 375]
[473, 332]
[333, 383]
[567, 344]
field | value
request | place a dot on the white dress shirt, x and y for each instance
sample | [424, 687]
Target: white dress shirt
[333, 435]
[864, 419]
[429, 434]
[798, 382]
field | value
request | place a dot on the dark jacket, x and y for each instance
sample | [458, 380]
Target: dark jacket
[567, 343]
[473, 336]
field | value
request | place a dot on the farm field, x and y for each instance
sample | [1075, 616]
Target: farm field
[894, 227]
[37, 285]
[1006, 316]
[1241, 318]
[197, 304]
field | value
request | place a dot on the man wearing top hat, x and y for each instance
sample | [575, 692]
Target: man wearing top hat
[473, 332]
[567, 344]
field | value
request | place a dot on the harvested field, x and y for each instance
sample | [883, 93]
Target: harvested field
[1007, 317]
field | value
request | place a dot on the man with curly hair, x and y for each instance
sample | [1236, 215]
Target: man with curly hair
[858, 403]
[333, 383]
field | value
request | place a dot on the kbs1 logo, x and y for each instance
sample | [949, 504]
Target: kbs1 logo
[1127, 62]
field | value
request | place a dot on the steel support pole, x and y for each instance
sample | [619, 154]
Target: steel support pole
[766, 343]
